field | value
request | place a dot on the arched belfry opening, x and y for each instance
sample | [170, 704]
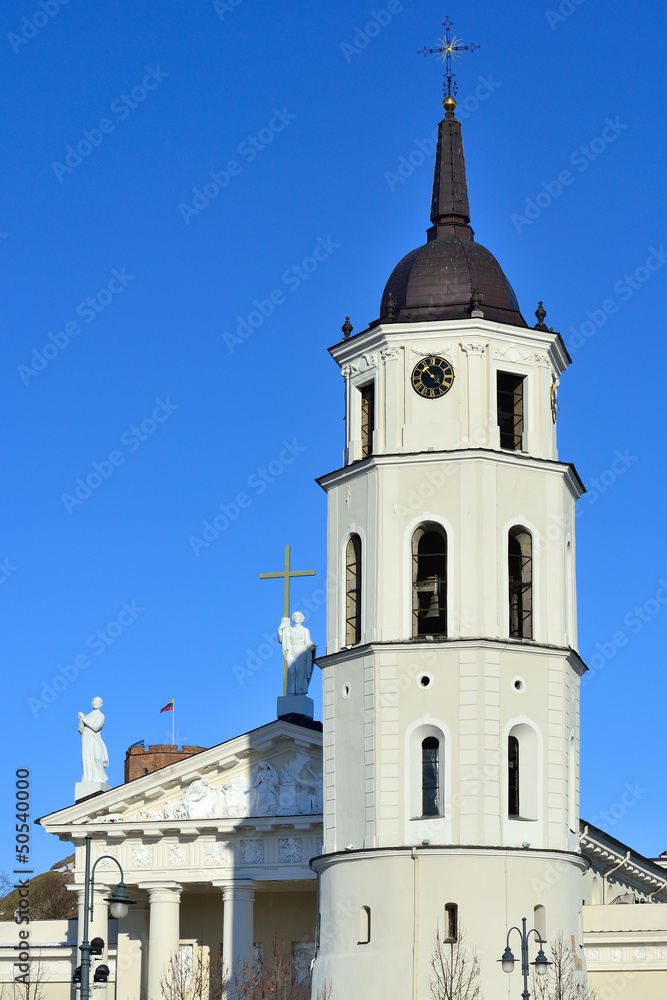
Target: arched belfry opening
[429, 580]
[520, 572]
[353, 591]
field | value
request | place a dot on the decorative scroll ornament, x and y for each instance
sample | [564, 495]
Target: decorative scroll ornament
[512, 354]
[430, 352]
[391, 354]
[365, 362]
[473, 347]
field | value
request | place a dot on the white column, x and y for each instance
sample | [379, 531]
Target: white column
[163, 934]
[98, 926]
[237, 923]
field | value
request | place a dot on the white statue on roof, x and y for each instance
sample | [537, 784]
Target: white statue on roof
[299, 651]
[94, 754]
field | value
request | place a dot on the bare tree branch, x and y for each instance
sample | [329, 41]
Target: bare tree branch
[562, 981]
[455, 970]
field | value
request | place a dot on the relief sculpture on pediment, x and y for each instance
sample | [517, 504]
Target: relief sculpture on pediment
[297, 791]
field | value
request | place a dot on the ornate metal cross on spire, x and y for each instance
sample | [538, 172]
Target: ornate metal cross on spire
[450, 48]
[286, 575]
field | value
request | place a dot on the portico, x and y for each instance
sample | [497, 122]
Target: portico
[215, 851]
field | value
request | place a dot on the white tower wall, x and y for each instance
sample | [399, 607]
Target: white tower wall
[440, 461]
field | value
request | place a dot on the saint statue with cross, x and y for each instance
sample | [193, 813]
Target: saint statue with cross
[298, 649]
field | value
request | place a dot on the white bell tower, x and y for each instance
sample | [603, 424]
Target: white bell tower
[451, 676]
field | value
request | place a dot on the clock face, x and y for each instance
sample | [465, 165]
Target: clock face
[432, 377]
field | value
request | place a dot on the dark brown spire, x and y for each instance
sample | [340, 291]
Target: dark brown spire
[450, 212]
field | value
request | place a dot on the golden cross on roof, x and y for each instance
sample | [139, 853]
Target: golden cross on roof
[286, 575]
[449, 48]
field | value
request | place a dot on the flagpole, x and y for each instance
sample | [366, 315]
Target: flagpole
[173, 715]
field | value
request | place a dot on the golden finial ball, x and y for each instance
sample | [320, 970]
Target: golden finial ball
[449, 104]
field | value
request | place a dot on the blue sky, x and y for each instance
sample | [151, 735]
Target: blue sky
[171, 345]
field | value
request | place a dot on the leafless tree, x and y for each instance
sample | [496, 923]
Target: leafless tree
[34, 989]
[6, 884]
[455, 971]
[204, 979]
[194, 980]
[563, 980]
[49, 898]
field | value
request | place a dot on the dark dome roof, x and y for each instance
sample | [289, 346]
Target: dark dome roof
[436, 281]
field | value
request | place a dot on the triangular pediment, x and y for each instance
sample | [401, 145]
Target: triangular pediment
[256, 778]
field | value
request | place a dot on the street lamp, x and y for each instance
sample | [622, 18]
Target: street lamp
[119, 904]
[541, 963]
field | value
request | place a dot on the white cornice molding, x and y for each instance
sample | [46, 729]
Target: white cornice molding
[404, 459]
[517, 646]
[394, 335]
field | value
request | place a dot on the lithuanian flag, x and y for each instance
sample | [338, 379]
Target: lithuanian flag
[169, 707]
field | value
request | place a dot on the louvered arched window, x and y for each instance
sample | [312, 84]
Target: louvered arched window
[353, 591]
[520, 571]
[429, 580]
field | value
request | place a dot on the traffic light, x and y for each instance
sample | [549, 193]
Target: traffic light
[101, 974]
[76, 978]
[96, 946]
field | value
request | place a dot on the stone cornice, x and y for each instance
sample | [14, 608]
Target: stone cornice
[186, 829]
[389, 335]
[521, 646]
[402, 459]
[455, 850]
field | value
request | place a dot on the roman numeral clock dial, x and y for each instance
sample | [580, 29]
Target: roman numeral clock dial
[432, 377]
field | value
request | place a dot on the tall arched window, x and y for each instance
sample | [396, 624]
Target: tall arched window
[522, 772]
[429, 581]
[572, 785]
[431, 776]
[540, 921]
[513, 776]
[520, 567]
[353, 591]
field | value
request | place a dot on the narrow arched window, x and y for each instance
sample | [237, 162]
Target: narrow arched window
[572, 785]
[513, 776]
[540, 921]
[430, 776]
[365, 925]
[520, 569]
[367, 418]
[451, 922]
[429, 581]
[353, 591]
[523, 769]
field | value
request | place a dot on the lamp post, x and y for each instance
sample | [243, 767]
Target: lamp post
[120, 902]
[541, 963]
